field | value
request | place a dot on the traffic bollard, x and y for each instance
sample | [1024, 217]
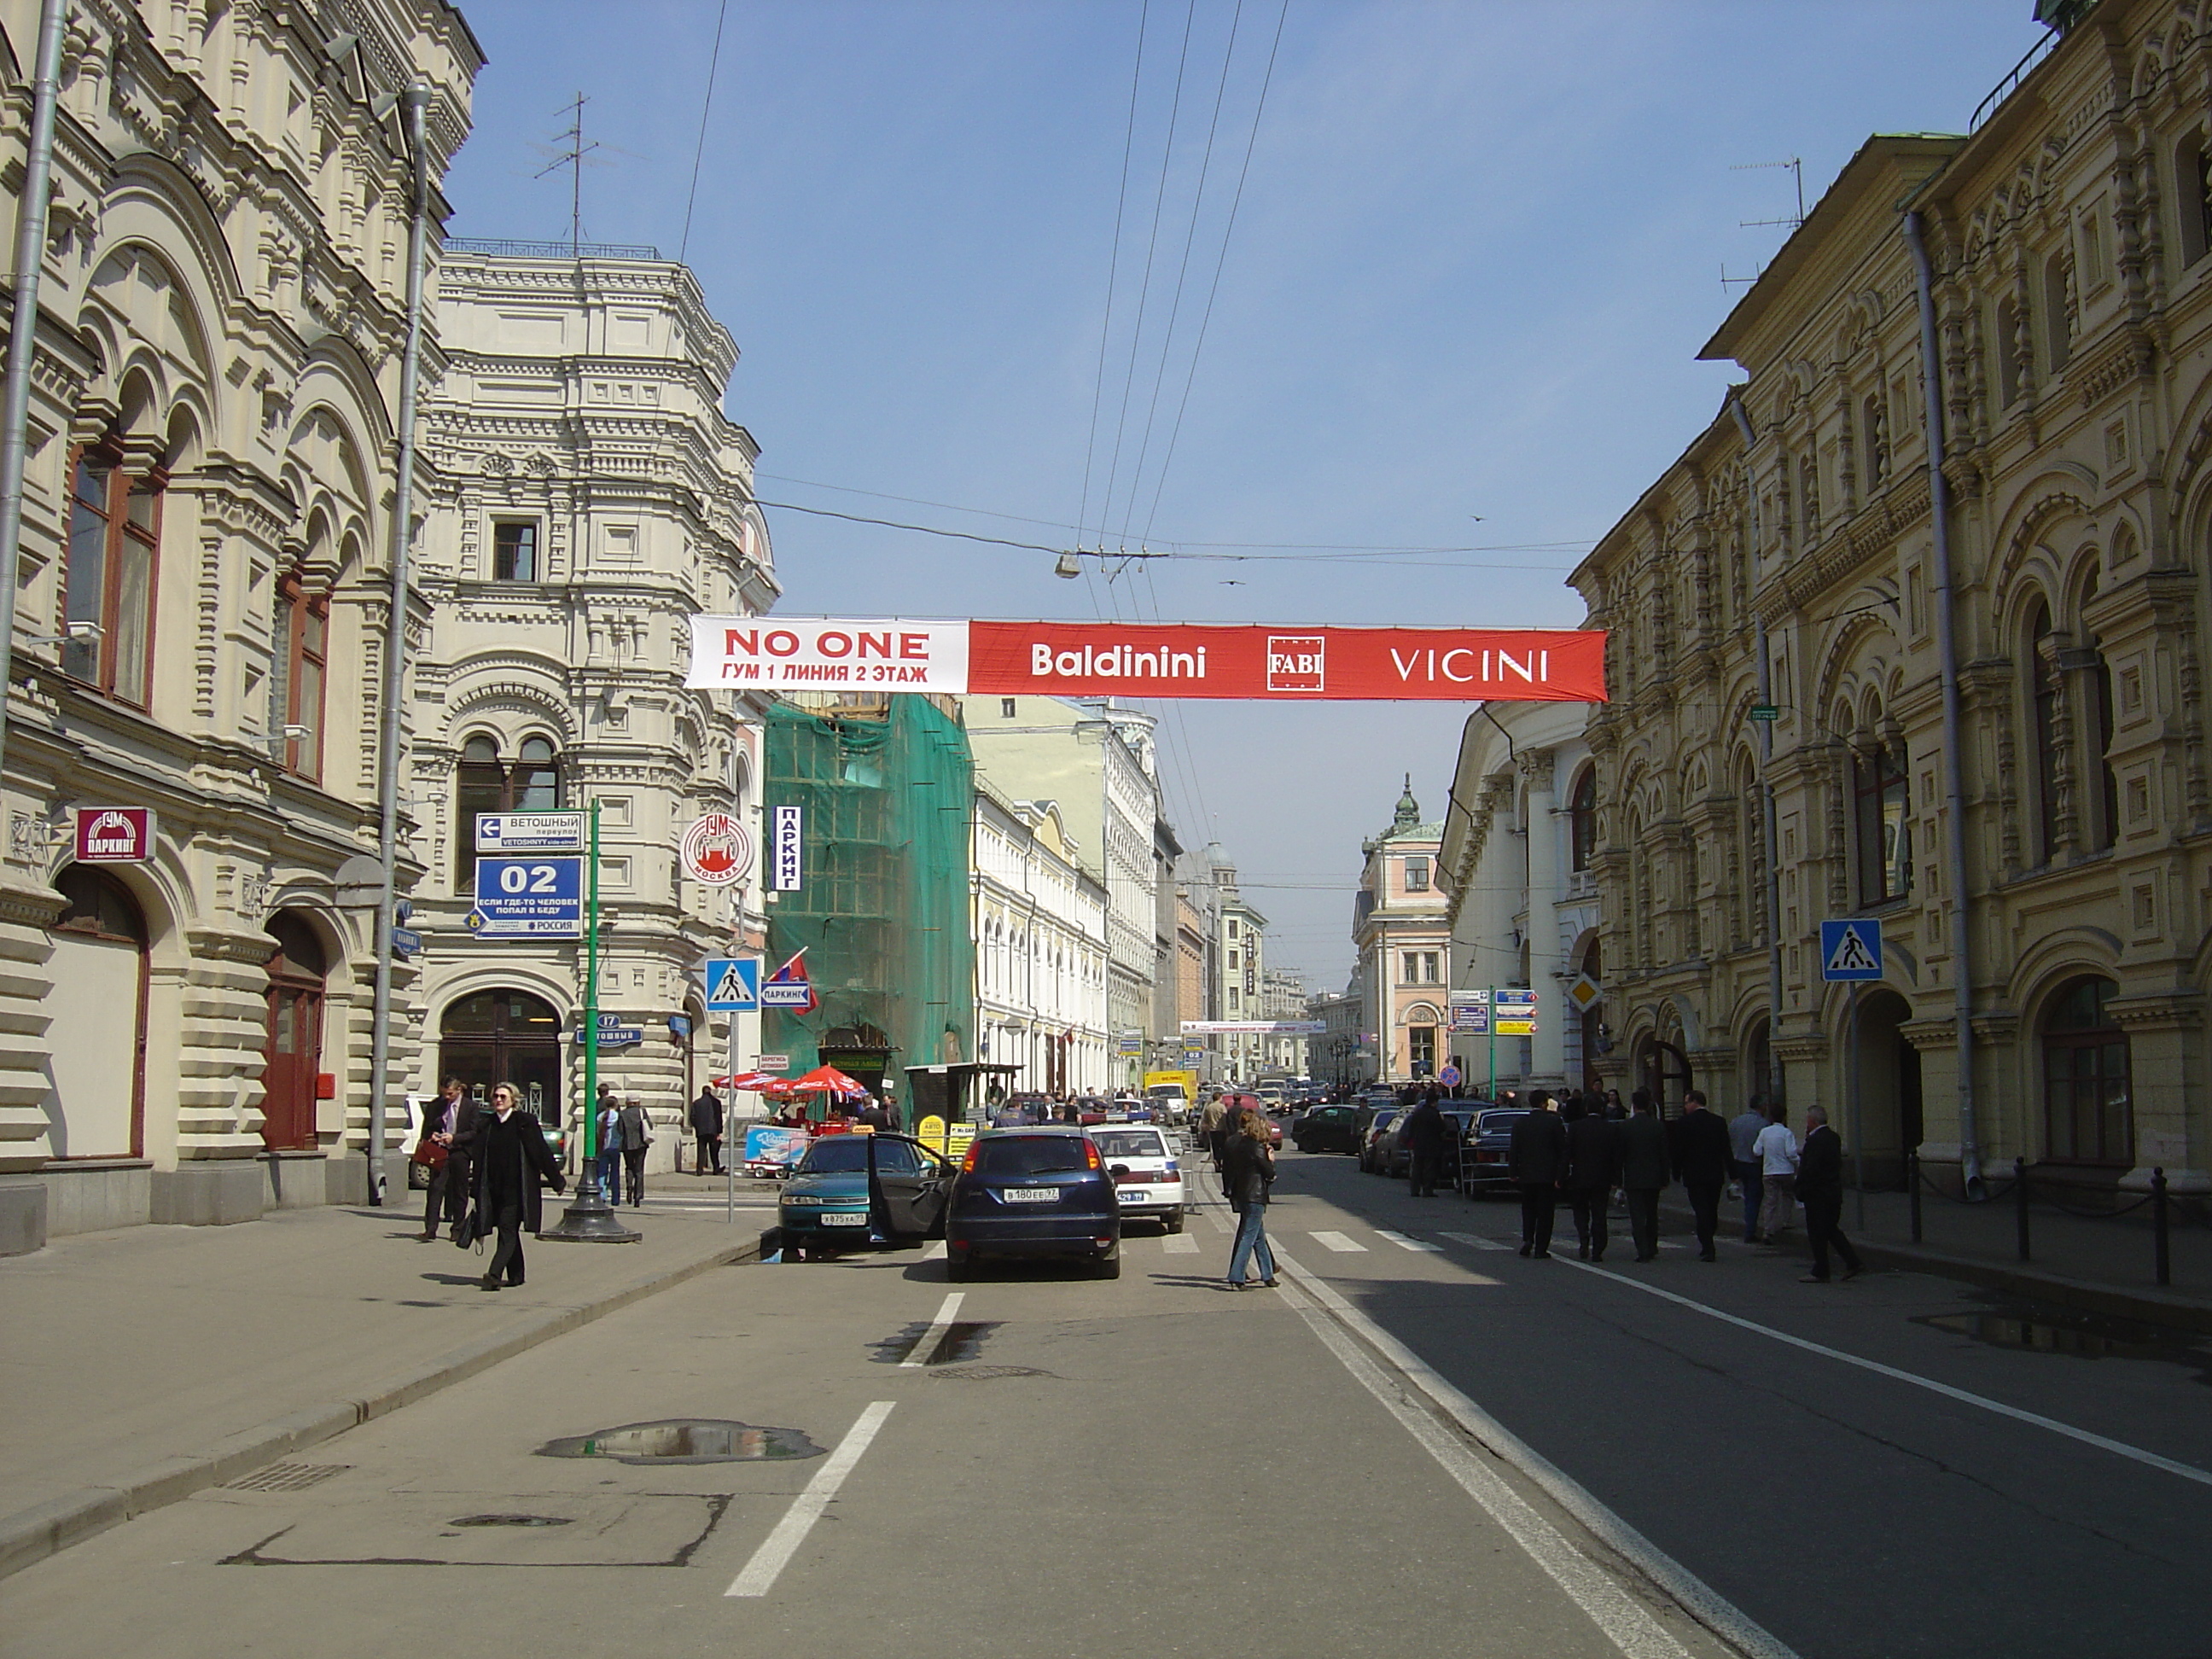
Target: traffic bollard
[2161, 1239]
[2020, 1201]
[1912, 1186]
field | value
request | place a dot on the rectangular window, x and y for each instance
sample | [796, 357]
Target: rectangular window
[1421, 1049]
[114, 535]
[1006, 709]
[1410, 968]
[1429, 964]
[514, 550]
[1885, 834]
[302, 656]
[1417, 875]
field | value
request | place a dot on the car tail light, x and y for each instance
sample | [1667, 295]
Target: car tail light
[1090, 1152]
[1104, 1243]
[968, 1162]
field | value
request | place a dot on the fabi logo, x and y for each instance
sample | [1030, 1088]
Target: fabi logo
[1295, 662]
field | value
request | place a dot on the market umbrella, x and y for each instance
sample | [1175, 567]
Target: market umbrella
[830, 1078]
[751, 1082]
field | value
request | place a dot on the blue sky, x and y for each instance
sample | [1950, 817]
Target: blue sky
[1477, 249]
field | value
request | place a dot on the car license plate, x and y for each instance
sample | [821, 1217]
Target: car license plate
[837, 1218]
[1032, 1194]
[1135, 1196]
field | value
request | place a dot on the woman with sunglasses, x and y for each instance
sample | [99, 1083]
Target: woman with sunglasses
[510, 1160]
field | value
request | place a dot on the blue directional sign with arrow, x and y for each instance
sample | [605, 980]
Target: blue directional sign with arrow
[1850, 949]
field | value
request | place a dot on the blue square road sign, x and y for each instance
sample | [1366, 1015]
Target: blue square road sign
[1850, 950]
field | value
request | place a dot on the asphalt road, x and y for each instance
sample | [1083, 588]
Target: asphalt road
[1154, 1465]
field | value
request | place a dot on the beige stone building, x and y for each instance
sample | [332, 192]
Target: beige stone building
[1404, 947]
[595, 498]
[201, 602]
[1782, 581]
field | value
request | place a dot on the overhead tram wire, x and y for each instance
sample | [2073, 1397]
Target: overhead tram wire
[1144, 288]
[1113, 266]
[1213, 291]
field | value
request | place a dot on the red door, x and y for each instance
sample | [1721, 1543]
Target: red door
[293, 1053]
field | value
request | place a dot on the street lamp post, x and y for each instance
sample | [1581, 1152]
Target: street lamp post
[589, 1218]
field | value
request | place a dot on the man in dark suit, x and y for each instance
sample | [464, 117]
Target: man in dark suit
[449, 1122]
[1703, 1161]
[1643, 1172]
[1820, 1189]
[512, 1160]
[1537, 1162]
[1593, 1171]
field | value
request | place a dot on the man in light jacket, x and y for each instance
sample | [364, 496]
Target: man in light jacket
[1777, 1151]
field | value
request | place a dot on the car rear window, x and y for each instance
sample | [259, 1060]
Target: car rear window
[1498, 1122]
[1005, 1155]
[835, 1155]
[1130, 1143]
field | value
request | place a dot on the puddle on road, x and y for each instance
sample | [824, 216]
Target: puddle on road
[2079, 1335]
[511, 1521]
[687, 1440]
[988, 1373]
[963, 1340]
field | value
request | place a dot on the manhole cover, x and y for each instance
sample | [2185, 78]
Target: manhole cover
[987, 1373]
[510, 1521]
[286, 1477]
[686, 1440]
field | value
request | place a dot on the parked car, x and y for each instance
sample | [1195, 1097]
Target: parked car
[1396, 1158]
[1147, 1177]
[1325, 1129]
[1235, 1100]
[823, 1209]
[1033, 1193]
[1364, 1111]
[1483, 1166]
[1370, 1138]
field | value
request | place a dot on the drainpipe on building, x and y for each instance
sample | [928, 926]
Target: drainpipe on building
[1954, 788]
[416, 101]
[1768, 835]
[23, 325]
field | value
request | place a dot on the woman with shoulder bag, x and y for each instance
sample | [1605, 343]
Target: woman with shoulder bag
[1247, 1171]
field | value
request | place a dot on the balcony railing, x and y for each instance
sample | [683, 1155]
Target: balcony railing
[504, 249]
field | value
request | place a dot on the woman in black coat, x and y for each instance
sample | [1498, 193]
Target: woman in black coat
[509, 1158]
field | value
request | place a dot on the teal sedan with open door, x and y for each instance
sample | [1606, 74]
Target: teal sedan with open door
[824, 1210]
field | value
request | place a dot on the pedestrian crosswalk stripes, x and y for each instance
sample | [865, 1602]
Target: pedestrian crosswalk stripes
[1179, 1244]
[1476, 1241]
[1406, 1244]
[1337, 1243]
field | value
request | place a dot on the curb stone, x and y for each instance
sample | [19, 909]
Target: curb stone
[29, 1536]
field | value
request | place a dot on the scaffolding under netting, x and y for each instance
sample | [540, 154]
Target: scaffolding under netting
[888, 791]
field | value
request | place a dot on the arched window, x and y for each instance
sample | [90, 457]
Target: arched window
[2088, 1113]
[300, 657]
[2005, 343]
[2192, 196]
[2043, 708]
[2097, 728]
[114, 541]
[1885, 834]
[484, 783]
[1582, 820]
[2058, 310]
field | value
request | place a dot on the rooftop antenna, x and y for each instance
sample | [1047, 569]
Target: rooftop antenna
[1796, 166]
[571, 153]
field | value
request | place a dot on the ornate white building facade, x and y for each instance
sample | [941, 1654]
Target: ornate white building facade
[596, 497]
[1404, 947]
[1040, 930]
[206, 536]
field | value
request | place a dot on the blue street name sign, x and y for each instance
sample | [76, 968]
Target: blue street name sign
[1850, 949]
[529, 898]
[732, 985]
[405, 941]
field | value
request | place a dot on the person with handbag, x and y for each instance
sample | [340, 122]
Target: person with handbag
[636, 1132]
[450, 1116]
[512, 1162]
[1247, 1173]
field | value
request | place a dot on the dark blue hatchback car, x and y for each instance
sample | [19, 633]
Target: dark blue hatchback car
[1033, 1192]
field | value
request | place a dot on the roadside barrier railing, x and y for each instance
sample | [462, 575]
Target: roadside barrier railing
[2024, 1191]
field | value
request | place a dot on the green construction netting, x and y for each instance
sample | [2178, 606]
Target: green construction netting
[883, 913]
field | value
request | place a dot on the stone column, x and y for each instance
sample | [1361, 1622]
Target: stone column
[24, 982]
[1547, 1050]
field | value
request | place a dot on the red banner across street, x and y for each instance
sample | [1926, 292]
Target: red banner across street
[1260, 661]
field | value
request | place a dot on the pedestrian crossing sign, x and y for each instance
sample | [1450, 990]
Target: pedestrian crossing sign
[733, 985]
[1850, 949]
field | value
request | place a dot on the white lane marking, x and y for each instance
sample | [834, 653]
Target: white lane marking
[1476, 1241]
[1404, 1242]
[935, 1333]
[781, 1544]
[1222, 1223]
[1180, 1244]
[1702, 1602]
[1610, 1607]
[2149, 1459]
[1337, 1243]
[935, 1252]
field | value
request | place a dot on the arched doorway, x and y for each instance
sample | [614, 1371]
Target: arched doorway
[1889, 1088]
[292, 1055]
[2088, 1108]
[96, 1019]
[505, 1036]
[1757, 1062]
[1664, 1069]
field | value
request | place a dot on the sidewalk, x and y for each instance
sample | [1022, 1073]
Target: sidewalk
[2102, 1265]
[144, 1365]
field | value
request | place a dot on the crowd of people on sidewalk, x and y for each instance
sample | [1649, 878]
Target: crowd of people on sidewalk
[1583, 1150]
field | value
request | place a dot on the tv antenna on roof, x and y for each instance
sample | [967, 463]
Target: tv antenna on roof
[571, 153]
[1796, 166]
